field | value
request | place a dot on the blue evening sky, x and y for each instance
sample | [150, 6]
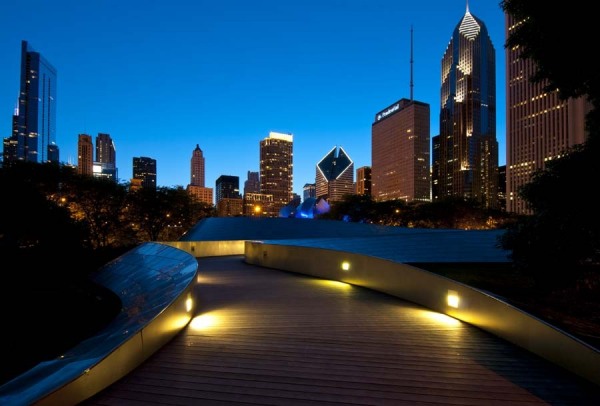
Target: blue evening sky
[162, 76]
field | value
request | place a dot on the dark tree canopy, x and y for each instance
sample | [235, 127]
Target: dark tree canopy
[560, 39]
[561, 239]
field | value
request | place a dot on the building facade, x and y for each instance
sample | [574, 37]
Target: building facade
[468, 149]
[334, 175]
[400, 146]
[257, 204]
[85, 155]
[144, 169]
[276, 170]
[363, 181]
[105, 165]
[539, 125]
[227, 186]
[197, 187]
[201, 193]
[230, 207]
[252, 183]
[435, 167]
[197, 173]
[34, 128]
[502, 187]
[309, 190]
[11, 144]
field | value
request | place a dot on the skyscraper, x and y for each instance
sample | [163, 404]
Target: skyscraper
[400, 152]
[335, 175]
[227, 186]
[435, 167]
[197, 186]
[197, 168]
[105, 149]
[539, 125]
[309, 191]
[252, 183]
[468, 149]
[11, 144]
[276, 170]
[144, 169]
[85, 155]
[106, 157]
[363, 181]
[34, 132]
[228, 199]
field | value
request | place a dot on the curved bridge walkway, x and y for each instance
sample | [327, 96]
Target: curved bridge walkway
[266, 337]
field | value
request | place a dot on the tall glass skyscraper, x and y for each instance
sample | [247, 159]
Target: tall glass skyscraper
[468, 149]
[35, 124]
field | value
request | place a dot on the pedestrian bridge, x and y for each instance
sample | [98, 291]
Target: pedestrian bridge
[309, 319]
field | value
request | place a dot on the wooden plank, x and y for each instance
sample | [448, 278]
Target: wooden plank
[277, 338]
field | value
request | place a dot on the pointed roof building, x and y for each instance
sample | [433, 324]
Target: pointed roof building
[335, 175]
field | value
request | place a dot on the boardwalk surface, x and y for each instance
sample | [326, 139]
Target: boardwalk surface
[266, 337]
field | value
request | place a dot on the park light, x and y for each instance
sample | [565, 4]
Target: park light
[453, 299]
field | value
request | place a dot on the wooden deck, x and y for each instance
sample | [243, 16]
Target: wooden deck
[266, 337]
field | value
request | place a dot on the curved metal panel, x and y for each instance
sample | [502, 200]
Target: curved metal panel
[153, 282]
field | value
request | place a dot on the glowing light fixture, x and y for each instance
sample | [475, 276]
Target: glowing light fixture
[440, 318]
[203, 322]
[346, 266]
[189, 304]
[453, 299]
[333, 284]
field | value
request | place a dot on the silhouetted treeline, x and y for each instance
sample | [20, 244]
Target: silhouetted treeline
[51, 215]
[446, 213]
[560, 242]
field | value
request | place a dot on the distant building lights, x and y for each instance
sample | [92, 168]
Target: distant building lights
[346, 266]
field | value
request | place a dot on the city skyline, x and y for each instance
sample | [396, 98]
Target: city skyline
[162, 78]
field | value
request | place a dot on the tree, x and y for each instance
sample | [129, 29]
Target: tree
[164, 213]
[352, 207]
[185, 211]
[98, 202]
[35, 230]
[563, 233]
[548, 36]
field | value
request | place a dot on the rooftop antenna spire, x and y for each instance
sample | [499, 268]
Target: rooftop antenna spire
[468, 6]
[411, 63]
